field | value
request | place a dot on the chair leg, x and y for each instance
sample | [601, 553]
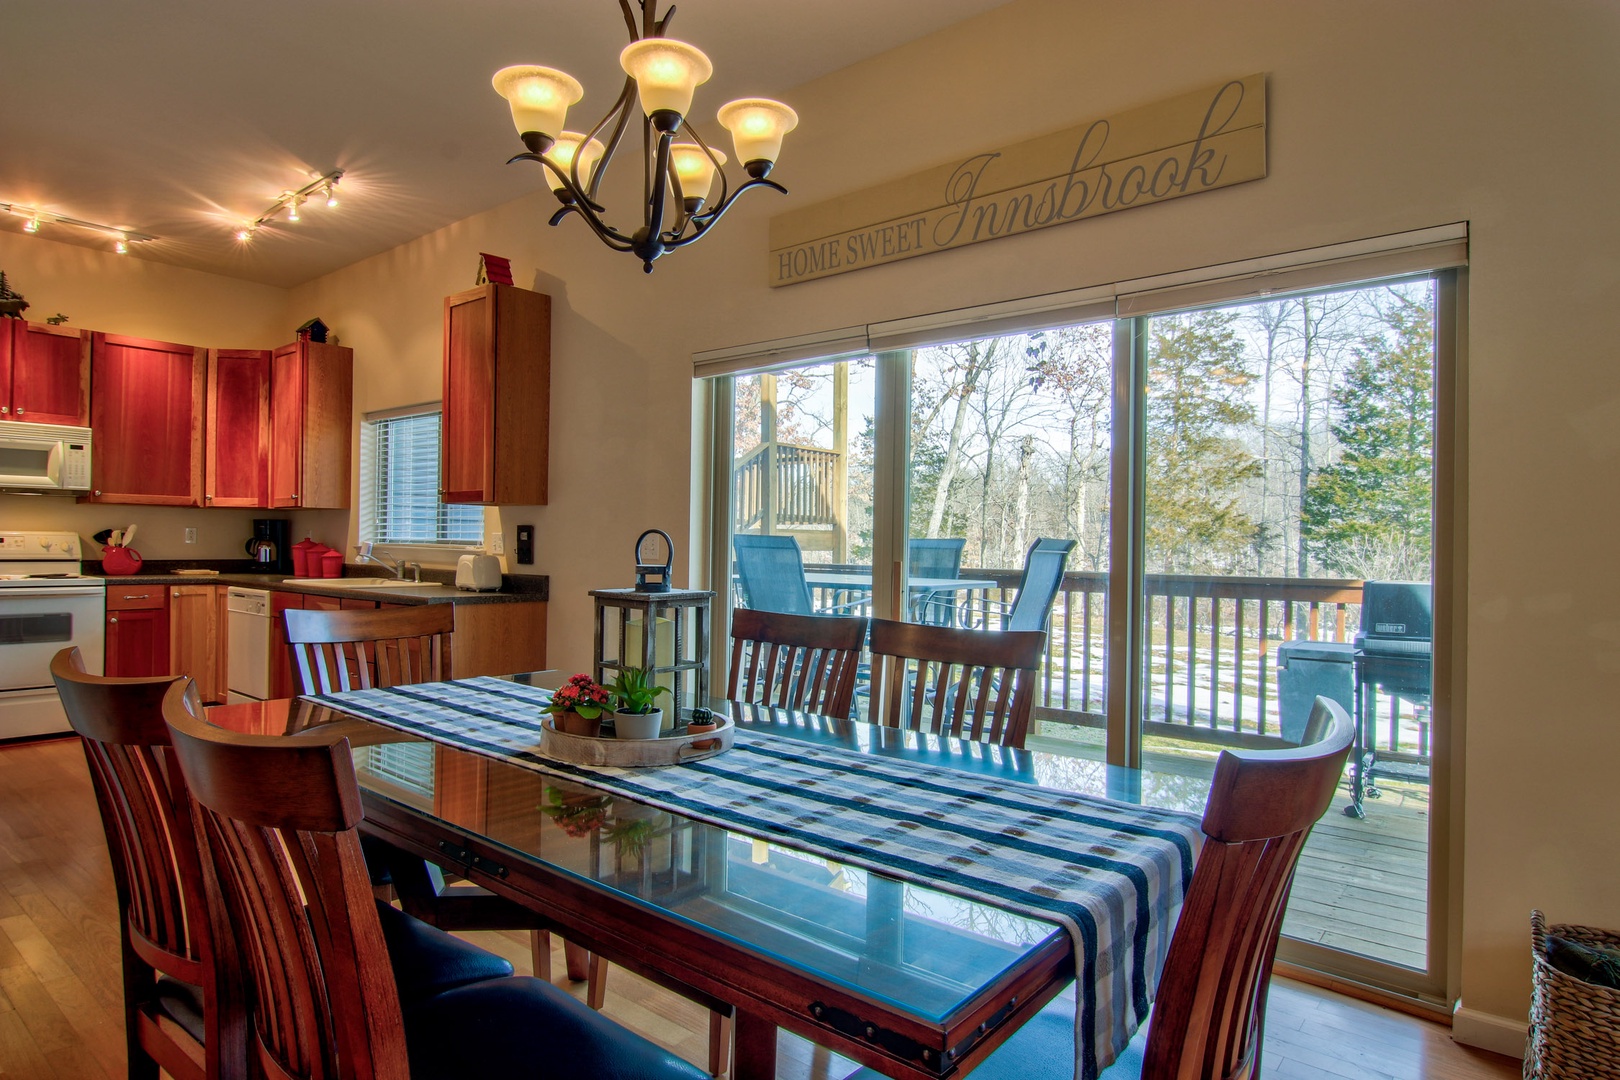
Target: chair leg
[719, 1043]
[540, 950]
[596, 987]
[578, 961]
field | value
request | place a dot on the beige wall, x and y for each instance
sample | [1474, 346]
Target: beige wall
[1385, 116]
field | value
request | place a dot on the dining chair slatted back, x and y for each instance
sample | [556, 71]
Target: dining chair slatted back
[805, 662]
[1044, 565]
[1209, 1018]
[285, 859]
[935, 557]
[770, 572]
[969, 684]
[147, 817]
[357, 650]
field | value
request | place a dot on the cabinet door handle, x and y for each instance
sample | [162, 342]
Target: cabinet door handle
[5, 410]
[98, 491]
[19, 410]
[112, 618]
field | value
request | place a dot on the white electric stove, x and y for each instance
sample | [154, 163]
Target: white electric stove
[46, 605]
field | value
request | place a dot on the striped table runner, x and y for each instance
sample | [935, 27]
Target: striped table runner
[1112, 874]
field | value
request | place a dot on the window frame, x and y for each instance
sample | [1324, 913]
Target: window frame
[367, 516]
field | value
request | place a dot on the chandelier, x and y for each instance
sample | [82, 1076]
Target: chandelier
[679, 176]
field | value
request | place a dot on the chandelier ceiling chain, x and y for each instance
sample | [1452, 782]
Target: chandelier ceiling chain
[662, 73]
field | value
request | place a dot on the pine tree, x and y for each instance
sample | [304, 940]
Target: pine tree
[1368, 514]
[1197, 399]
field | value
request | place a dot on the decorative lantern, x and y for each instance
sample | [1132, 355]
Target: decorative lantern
[654, 577]
[658, 629]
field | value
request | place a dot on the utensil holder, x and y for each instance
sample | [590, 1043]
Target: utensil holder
[120, 560]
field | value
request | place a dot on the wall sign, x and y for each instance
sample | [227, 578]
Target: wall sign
[1198, 141]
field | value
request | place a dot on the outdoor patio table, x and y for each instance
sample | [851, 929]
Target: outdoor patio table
[920, 588]
[890, 969]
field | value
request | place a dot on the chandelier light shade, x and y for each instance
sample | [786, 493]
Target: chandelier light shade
[667, 73]
[662, 76]
[540, 97]
[694, 170]
[757, 126]
[563, 154]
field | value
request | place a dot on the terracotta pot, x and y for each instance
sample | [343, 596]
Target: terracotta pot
[702, 727]
[571, 723]
[638, 725]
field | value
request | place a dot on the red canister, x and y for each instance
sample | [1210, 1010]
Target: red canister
[300, 558]
[332, 563]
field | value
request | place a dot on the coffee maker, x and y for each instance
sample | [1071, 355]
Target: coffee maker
[278, 532]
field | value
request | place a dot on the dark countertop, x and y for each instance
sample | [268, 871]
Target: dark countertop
[515, 588]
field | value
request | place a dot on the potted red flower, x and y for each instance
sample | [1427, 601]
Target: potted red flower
[577, 706]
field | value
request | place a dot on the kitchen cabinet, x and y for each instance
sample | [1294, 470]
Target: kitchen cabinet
[311, 425]
[197, 646]
[497, 396]
[137, 642]
[236, 466]
[147, 416]
[283, 683]
[44, 373]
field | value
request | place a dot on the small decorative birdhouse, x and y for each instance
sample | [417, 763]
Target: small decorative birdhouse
[314, 330]
[492, 269]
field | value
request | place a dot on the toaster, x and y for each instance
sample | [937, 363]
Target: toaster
[478, 573]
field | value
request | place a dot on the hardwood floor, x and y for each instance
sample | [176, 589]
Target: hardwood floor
[61, 1015]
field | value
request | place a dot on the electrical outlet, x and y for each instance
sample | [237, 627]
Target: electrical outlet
[191, 536]
[497, 543]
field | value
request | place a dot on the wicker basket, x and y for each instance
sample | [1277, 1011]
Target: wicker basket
[1574, 1026]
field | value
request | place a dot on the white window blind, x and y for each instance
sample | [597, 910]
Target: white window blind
[399, 484]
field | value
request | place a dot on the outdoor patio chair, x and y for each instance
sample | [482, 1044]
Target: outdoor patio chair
[933, 557]
[1044, 564]
[770, 572]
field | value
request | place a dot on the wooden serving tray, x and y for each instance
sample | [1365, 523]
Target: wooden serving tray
[634, 753]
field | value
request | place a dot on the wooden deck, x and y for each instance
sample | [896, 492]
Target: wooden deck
[1362, 885]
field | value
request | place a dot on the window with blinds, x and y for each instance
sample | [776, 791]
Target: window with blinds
[399, 485]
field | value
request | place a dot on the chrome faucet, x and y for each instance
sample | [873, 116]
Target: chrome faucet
[397, 566]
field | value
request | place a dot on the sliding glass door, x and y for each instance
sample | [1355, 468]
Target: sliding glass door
[1246, 496]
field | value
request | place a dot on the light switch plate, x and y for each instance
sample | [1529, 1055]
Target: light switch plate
[497, 543]
[191, 536]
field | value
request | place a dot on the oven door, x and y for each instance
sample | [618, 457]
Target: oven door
[37, 623]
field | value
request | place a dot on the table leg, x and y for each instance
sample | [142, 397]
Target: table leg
[754, 1051]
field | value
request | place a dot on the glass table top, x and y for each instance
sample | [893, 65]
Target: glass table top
[924, 951]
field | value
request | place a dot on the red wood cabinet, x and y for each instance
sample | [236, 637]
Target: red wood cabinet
[282, 682]
[236, 466]
[311, 425]
[137, 642]
[147, 415]
[44, 373]
[497, 396]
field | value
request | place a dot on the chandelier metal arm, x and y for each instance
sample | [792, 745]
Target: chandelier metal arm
[702, 222]
[621, 113]
[575, 201]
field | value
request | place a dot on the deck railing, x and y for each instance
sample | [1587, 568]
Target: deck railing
[804, 491]
[1212, 648]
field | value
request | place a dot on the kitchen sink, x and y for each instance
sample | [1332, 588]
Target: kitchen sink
[361, 583]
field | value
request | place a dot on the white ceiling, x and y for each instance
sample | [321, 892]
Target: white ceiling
[182, 118]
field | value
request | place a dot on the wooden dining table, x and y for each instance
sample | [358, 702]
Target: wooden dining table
[910, 980]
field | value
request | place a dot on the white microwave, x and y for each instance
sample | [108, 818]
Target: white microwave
[44, 458]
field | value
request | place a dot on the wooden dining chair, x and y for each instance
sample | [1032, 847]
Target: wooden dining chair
[177, 1016]
[969, 684]
[334, 651]
[276, 825]
[805, 662]
[182, 993]
[1209, 1019]
[343, 650]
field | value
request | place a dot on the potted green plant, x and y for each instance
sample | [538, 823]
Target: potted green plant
[635, 716]
[12, 303]
[577, 706]
[701, 723]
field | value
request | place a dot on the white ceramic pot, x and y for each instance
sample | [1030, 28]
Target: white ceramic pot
[638, 725]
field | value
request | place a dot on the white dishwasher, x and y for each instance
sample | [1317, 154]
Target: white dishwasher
[247, 641]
